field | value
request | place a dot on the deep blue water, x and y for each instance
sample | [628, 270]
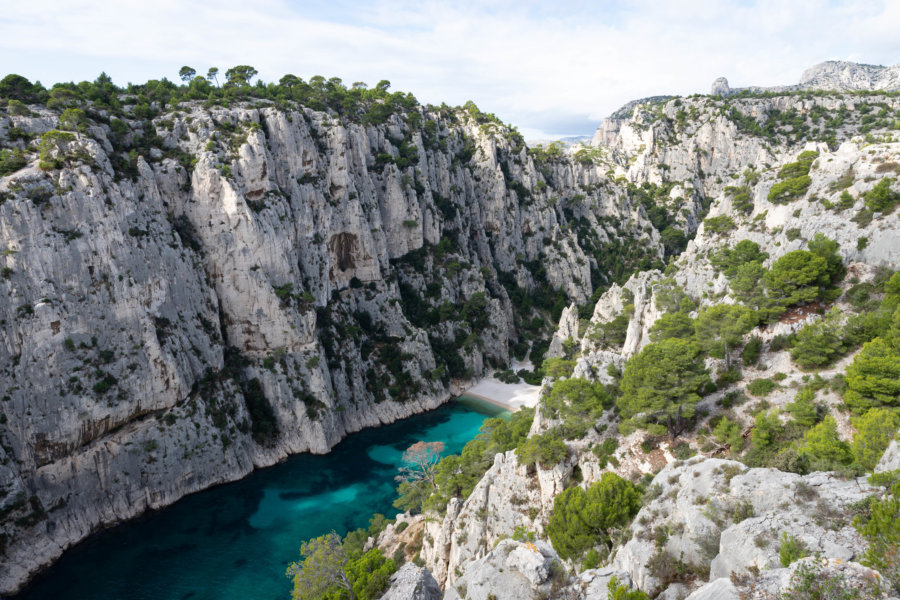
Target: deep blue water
[235, 541]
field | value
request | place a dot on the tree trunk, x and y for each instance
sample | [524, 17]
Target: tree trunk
[345, 583]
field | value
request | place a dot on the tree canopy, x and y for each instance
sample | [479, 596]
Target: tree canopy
[873, 378]
[582, 519]
[720, 328]
[662, 385]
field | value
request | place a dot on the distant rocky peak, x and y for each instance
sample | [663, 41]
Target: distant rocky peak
[844, 75]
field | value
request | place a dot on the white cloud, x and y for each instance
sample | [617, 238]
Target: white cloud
[538, 67]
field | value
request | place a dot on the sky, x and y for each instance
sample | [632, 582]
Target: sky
[552, 69]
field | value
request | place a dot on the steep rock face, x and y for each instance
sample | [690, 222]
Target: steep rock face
[174, 318]
[506, 498]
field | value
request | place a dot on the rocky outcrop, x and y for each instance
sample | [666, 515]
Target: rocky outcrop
[413, 583]
[890, 460]
[833, 576]
[720, 515]
[507, 498]
[513, 569]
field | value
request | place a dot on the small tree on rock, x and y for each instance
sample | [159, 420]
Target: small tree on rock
[582, 519]
[420, 461]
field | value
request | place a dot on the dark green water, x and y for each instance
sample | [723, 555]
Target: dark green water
[235, 541]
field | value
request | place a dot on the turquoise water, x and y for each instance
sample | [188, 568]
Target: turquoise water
[235, 541]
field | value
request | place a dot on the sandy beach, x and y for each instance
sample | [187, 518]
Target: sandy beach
[511, 396]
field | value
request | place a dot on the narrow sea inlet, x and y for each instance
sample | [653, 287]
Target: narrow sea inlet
[235, 541]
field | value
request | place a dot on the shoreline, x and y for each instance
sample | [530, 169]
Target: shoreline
[508, 396]
[491, 401]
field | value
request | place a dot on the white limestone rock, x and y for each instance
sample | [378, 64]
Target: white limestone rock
[890, 460]
[511, 571]
[413, 583]
[718, 589]
[722, 514]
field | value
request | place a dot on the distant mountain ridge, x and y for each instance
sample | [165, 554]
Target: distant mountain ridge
[831, 75]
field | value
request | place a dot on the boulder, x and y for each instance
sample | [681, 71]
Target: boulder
[413, 583]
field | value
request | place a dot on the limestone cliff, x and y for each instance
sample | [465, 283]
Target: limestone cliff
[187, 297]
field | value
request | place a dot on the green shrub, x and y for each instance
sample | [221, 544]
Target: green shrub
[800, 167]
[791, 549]
[803, 409]
[73, 119]
[605, 450]
[661, 387]
[612, 334]
[824, 449]
[672, 325]
[11, 161]
[790, 189]
[793, 234]
[820, 343]
[741, 198]
[874, 431]
[721, 224]
[619, 591]
[750, 353]
[558, 367]
[729, 260]
[766, 428]
[582, 519]
[578, 403]
[719, 329]
[546, 449]
[53, 141]
[591, 560]
[728, 432]
[263, 423]
[845, 201]
[881, 529]
[761, 387]
[795, 179]
[882, 198]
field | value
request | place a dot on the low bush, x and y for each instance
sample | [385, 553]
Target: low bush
[761, 387]
[791, 549]
[721, 224]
